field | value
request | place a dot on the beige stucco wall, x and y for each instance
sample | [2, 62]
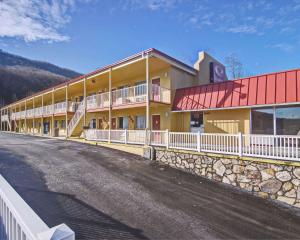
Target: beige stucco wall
[180, 122]
[227, 121]
[203, 67]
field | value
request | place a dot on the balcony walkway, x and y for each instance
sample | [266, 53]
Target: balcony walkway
[106, 194]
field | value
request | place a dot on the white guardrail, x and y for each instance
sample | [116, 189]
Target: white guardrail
[266, 146]
[57, 108]
[19, 222]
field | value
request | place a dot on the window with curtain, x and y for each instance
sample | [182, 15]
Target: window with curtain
[140, 122]
[93, 124]
[63, 124]
[123, 122]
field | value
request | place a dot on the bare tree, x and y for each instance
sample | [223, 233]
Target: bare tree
[234, 66]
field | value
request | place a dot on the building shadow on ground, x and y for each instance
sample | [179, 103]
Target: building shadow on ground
[55, 207]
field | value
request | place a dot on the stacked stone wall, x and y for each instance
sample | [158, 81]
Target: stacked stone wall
[264, 179]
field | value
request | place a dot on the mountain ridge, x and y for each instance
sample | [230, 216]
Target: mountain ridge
[21, 77]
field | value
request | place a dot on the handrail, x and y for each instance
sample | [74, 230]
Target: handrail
[76, 118]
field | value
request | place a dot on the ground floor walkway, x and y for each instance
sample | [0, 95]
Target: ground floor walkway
[106, 194]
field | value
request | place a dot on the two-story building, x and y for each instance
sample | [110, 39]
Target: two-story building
[134, 93]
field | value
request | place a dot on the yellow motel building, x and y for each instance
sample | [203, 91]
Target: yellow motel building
[154, 91]
[134, 93]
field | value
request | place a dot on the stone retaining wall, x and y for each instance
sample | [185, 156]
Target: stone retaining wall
[267, 180]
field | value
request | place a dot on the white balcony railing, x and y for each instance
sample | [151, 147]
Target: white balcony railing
[97, 101]
[30, 113]
[4, 118]
[48, 110]
[38, 112]
[160, 94]
[57, 108]
[60, 107]
[125, 96]
[265, 146]
[23, 114]
[129, 95]
[19, 221]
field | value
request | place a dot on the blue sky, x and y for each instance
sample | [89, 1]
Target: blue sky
[86, 34]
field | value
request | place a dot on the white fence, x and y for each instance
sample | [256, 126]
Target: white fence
[19, 222]
[265, 146]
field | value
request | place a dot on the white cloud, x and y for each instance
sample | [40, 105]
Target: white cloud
[257, 17]
[242, 29]
[152, 5]
[283, 46]
[34, 20]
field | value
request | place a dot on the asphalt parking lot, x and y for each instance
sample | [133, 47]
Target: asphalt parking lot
[106, 194]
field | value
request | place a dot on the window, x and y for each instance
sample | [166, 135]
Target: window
[63, 124]
[93, 124]
[140, 88]
[123, 122]
[288, 120]
[262, 121]
[196, 119]
[123, 91]
[140, 122]
[56, 124]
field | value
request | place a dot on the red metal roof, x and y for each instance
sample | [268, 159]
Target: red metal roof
[267, 89]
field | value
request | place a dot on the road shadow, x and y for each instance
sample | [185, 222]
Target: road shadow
[55, 207]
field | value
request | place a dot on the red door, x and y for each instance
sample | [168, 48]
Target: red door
[113, 123]
[156, 89]
[100, 122]
[155, 122]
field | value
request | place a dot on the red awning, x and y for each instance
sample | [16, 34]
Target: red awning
[268, 89]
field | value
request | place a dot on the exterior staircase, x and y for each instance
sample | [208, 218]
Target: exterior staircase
[8, 122]
[15, 124]
[76, 118]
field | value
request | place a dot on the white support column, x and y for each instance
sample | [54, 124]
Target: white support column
[20, 121]
[16, 126]
[42, 117]
[7, 125]
[84, 99]
[110, 103]
[33, 119]
[67, 108]
[52, 122]
[9, 119]
[0, 119]
[148, 94]
[274, 121]
[26, 116]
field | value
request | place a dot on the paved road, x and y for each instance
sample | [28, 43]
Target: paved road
[106, 194]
